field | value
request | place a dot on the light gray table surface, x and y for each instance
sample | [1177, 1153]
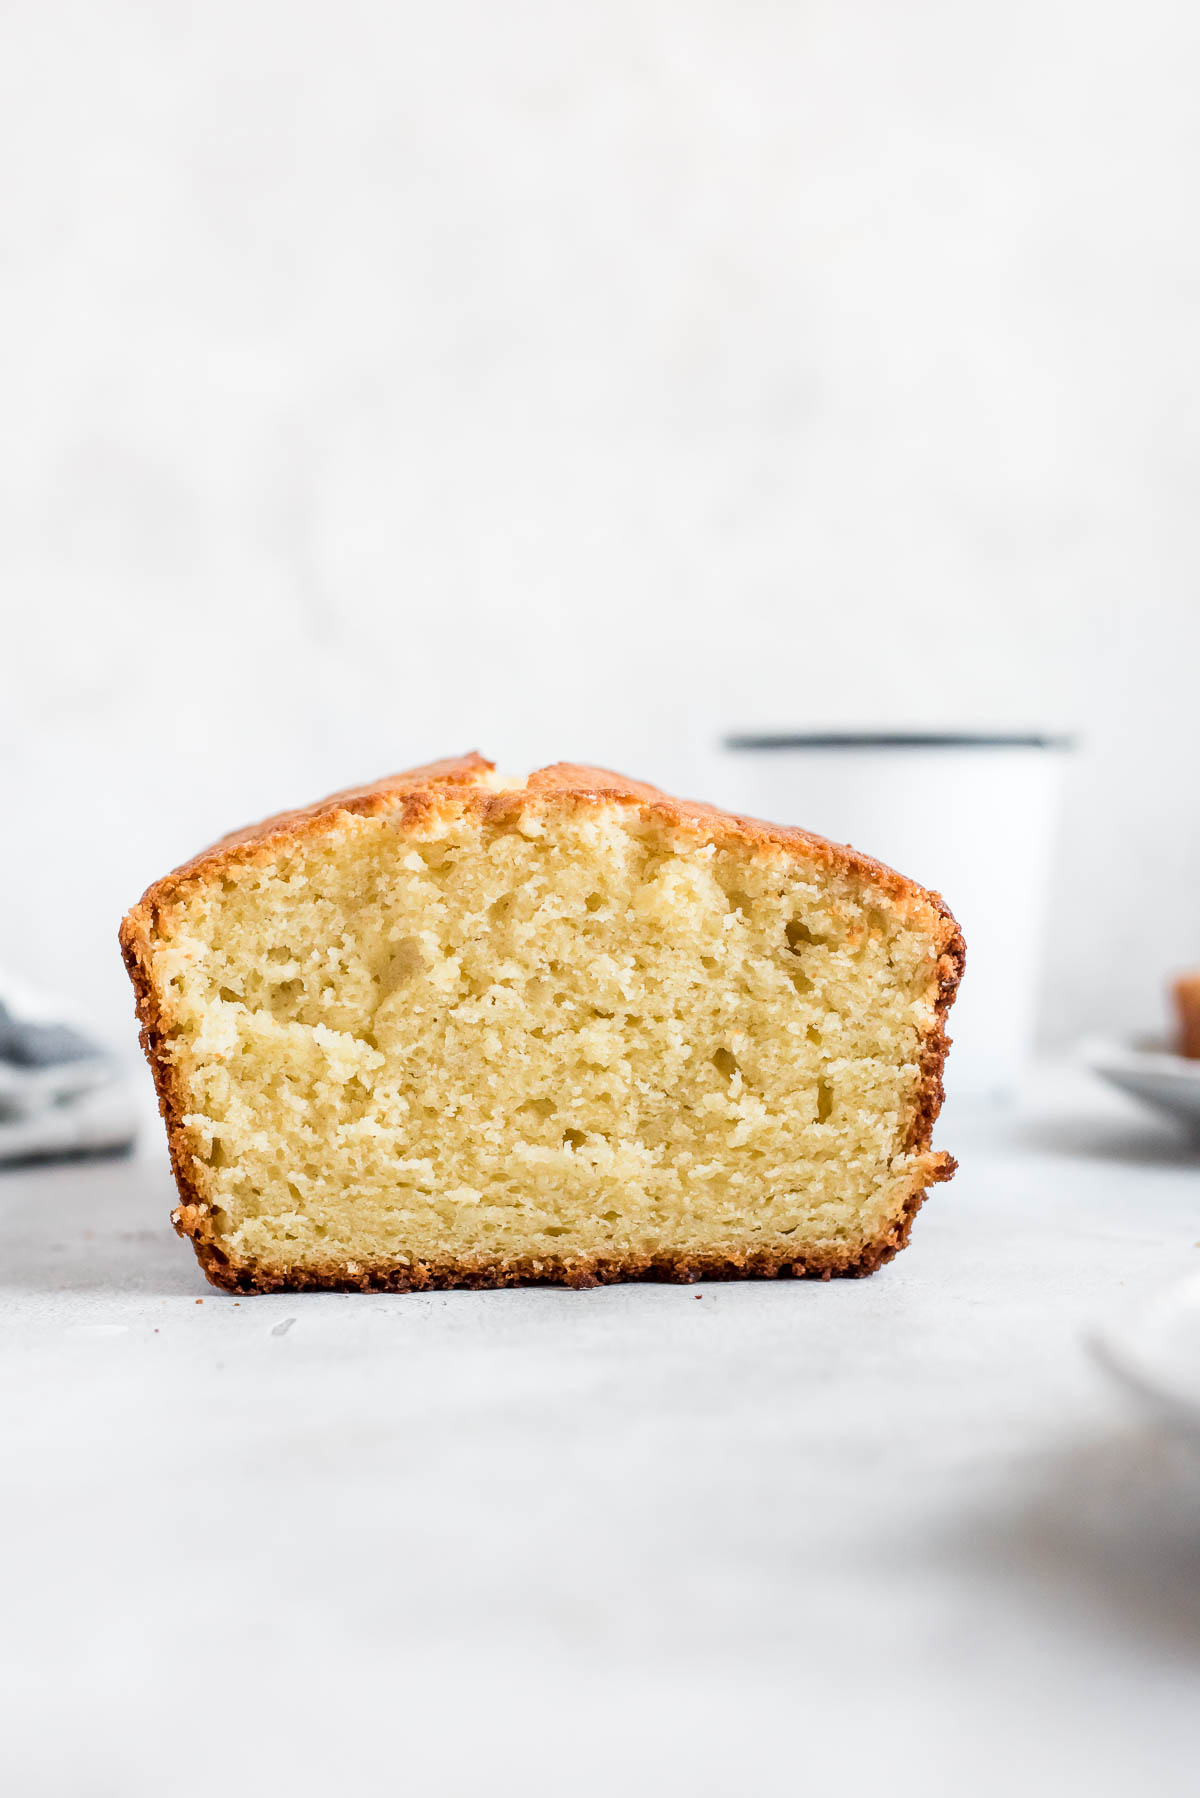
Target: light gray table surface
[893, 1535]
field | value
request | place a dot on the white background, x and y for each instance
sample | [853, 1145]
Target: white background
[383, 381]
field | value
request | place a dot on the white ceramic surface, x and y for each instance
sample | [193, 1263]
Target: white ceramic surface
[975, 821]
[1146, 1068]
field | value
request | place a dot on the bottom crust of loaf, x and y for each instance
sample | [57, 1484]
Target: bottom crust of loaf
[578, 1272]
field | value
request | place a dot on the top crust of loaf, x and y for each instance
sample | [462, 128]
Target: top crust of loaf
[419, 793]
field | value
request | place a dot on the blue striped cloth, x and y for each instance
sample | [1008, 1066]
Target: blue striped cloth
[60, 1093]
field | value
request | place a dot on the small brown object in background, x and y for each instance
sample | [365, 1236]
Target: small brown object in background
[1187, 1008]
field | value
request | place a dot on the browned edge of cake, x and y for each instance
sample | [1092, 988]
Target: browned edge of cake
[417, 795]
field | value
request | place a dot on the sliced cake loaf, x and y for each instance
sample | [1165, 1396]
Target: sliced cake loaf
[453, 1030]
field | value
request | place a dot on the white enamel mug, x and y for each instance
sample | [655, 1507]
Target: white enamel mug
[973, 817]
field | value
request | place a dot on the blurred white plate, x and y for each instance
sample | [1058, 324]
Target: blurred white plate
[1155, 1355]
[1146, 1068]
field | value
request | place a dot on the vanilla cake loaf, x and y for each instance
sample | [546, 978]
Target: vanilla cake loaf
[457, 1030]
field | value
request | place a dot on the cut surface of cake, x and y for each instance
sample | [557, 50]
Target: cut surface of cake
[453, 1030]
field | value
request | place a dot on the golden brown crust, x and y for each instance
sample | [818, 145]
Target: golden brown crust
[420, 792]
[418, 795]
[579, 1271]
[378, 795]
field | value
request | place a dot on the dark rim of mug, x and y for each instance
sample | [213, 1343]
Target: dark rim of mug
[901, 739]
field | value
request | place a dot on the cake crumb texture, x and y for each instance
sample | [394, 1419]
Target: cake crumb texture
[453, 1030]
